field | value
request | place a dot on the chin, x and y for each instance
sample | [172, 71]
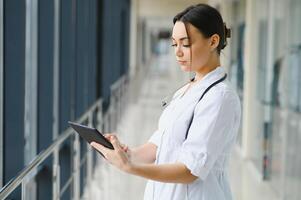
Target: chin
[185, 68]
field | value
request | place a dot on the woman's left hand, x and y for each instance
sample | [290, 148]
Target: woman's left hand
[117, 157]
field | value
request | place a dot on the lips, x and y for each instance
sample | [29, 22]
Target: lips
[181, 62]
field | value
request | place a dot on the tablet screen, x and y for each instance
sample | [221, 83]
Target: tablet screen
[91, 134]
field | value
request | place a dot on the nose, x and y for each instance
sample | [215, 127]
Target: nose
[178, 51]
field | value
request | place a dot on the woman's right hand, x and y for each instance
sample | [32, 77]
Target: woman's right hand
[124, 147]
[145, 153]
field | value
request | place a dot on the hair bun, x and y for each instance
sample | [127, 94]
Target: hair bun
[227, 34]
[227, 31]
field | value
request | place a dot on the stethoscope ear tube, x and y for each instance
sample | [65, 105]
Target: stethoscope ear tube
[166, 102]
[207, 89]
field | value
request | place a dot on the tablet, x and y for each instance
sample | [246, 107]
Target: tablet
[91, 134]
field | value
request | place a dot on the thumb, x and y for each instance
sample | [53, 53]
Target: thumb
[124, 147]
[115, 142]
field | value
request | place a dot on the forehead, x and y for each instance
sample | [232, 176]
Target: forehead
[179, 30]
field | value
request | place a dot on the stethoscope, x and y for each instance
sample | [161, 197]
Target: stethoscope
[166, 100]
[166, 103]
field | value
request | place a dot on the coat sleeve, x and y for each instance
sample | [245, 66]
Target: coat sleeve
[155, 138]
[211, 130]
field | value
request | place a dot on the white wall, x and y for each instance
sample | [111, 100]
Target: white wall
[164, 8]
[156, 15]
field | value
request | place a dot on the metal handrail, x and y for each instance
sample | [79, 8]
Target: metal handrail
[15, 182]
[112, 116]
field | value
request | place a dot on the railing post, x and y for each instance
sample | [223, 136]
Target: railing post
[126, 90]
[56, 53]
[23, 190]
[113, 110]
[116, 108]
[111, 117]
[108, 124]
[119, 100]
[56, 177]
[100, 119]
[122, 96]
[89, 158]
[76, 168]
[112, 113]
[106, 119]
[122, 105]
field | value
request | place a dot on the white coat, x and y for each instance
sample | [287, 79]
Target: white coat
[207, 148]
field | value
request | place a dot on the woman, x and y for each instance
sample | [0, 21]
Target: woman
[186, 158]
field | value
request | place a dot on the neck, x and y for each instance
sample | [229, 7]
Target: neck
[210, 66]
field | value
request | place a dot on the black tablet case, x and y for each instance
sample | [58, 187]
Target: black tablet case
[91, 134]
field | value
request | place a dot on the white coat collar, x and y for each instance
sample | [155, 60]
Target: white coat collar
[210, 78]
[193, 94]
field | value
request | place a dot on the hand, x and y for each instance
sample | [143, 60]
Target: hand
[124, 147]
[119, 157]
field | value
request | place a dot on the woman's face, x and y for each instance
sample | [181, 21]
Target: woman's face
[192, 52]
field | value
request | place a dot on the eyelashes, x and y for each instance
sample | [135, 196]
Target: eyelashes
[186, 45]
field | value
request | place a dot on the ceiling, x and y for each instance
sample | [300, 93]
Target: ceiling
[163, 8]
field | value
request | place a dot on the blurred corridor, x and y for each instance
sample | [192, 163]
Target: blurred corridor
[109, 64]
[162, 76]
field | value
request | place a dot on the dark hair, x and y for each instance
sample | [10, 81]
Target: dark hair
[207, 20]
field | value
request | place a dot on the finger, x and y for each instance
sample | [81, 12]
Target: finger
[100, 148]
[123, 146]
[115, 142]
[107, 137]
[126, 149]
[110, 134]
[107, 134]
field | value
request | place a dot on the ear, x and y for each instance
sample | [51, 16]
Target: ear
[214, 41]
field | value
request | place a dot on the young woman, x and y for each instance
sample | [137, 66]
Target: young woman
[186, 158]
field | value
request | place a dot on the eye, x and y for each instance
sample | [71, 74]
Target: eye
[186, 45]
[174, 45]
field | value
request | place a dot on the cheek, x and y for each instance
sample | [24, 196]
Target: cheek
[200, 57]
[186, 52]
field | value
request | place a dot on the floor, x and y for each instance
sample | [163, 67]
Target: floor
[161, 77]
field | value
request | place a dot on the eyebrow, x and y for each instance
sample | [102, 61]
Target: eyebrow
[183, 38]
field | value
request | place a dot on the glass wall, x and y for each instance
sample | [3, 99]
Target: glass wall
[236, 72]
[273, 86]
[286, 95]
[257, 138]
